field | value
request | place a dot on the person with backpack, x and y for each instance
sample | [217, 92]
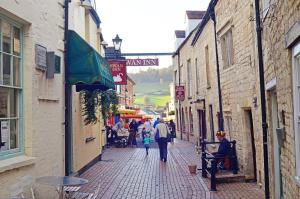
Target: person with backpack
[162, 135]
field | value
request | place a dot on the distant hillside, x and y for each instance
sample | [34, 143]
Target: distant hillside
[152, 86]
[153, 75]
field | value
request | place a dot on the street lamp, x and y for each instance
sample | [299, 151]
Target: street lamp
[117, 41]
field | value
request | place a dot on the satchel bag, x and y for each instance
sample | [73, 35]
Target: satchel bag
[157, 136]
[169, 137]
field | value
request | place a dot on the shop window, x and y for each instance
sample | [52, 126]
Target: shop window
[10, 88]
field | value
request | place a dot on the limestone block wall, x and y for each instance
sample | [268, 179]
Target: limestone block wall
[43, 98]
[239, 82]
[281, 16]
[204, 52]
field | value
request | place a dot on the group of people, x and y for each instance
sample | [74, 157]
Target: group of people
[163, 133]
[147, 130]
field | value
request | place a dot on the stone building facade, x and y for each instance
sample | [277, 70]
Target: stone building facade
[281, 36]
[88, 140]
[33, 132]
[235, 32]
[239, 83]
[126, 93]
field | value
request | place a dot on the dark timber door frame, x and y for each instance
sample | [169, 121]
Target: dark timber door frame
[202, 125]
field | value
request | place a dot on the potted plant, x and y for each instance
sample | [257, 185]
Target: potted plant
[192, 168]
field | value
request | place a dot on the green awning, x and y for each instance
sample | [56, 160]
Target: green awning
[85, 65]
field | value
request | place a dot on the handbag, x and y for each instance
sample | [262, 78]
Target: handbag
[169, 137]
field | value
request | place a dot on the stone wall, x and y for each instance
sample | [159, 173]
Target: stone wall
[239, 82]
[281, 16]
[43, 102]
[84, 151]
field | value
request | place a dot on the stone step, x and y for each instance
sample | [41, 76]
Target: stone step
[228, 177]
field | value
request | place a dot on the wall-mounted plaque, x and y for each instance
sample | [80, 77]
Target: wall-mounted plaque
[40, 57]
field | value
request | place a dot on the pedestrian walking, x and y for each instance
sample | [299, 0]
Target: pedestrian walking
[172, 130]
[147, 141]
[156, 122]
[133, 129]
[161, 136]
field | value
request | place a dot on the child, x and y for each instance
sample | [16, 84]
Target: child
[147, 141]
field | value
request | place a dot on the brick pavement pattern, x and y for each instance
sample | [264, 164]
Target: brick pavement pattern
[129, 173]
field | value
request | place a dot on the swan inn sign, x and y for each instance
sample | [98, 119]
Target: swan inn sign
[142, 62]
[118, 71]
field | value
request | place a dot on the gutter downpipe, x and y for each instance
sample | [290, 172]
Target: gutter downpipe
[68, 98]
[179, 79]
[221, 119]
[262, 98]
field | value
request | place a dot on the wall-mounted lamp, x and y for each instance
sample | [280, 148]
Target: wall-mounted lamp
[104, 44]
[86, 4]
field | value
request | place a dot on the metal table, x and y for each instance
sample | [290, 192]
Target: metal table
[61, 181]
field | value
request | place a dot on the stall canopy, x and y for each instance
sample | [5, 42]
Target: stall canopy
[86, 67]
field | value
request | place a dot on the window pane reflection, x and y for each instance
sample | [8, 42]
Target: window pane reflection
[13, 99]
[13, 134]
[16, 68]
[6, 69]
[3, 102]
[16, 40]
[6, 37]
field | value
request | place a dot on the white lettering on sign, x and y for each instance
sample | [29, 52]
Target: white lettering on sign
[142, 62]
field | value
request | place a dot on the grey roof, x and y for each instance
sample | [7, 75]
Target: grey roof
[195, 14]
[180, 33]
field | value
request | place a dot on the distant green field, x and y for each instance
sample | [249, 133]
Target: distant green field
[149, 88]
[156, 94]
[154, 100]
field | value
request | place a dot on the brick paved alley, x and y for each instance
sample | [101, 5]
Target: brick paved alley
[129, 173]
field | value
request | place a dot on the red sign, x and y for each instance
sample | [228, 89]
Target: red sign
[142, 62]
[179, 93]
[118, 71]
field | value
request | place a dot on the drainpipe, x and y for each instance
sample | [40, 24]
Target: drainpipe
[68, 98]
[179, 79]
[263, 99]
[221, 119]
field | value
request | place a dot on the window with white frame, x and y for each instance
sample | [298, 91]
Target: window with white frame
[207, 67]
[227, 49]
[10, 87]
[296, 92]
[189, 78]
[265, 7]
[197, 75]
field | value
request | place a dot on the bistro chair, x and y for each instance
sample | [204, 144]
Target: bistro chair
[84, 195]
[17, 190]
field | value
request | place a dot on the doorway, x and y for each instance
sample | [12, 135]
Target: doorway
[250, 156]
[202, 125]
[211, 122]
[276, 147]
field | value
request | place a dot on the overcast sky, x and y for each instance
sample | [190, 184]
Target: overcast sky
[145, 25]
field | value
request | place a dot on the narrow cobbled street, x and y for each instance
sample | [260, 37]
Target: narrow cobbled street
[129, 173]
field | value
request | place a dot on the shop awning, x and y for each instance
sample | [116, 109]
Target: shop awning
[86, 67]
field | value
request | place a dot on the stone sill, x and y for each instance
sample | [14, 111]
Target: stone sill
[16, 162]
[297, 180]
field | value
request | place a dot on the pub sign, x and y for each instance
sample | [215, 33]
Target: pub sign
[118, 71]
[179, 93]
